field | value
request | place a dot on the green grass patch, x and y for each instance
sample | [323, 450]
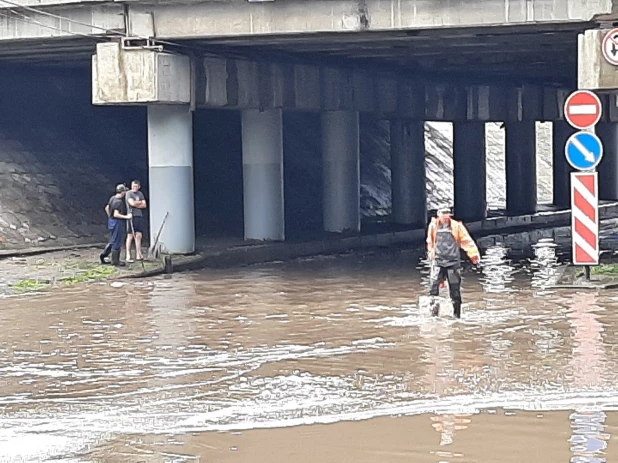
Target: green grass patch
[96, 272]
[605, 269]
[81, 265]
[26, 286]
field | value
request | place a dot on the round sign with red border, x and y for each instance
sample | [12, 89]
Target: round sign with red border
[609, 47]
[583, 109]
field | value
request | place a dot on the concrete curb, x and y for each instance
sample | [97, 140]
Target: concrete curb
[8, 253]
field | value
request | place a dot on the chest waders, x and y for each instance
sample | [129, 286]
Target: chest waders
[446, 267]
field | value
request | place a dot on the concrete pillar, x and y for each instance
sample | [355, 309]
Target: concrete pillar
[608, 168]
[341, 171]
[408, 172]
[469, 171]
[262, 163]
[170, 165]
[521, 195]
[561, 169]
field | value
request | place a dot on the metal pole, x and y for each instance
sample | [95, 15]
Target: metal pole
[587, 270]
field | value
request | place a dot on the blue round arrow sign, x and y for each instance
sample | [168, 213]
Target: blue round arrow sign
[583, 150]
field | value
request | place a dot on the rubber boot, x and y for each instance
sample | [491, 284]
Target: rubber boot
[457, 309]
[435, 307]
[116, 259]
[104, 254]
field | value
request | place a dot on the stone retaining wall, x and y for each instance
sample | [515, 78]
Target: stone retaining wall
[60, 158]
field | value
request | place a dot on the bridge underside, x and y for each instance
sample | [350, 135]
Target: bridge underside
[337, 76]
[531, 53]
[524, 53]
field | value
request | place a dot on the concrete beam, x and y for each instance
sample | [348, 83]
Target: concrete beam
[45, 3]
[593, 71]
[525, 103]
[235, 18]
[139, 76]
[85, 19]
[197, 18]
[553, 103]
[239, 84]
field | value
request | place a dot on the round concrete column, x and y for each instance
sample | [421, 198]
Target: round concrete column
[521, 195]
[341, 171]
[262, 163]
[608, 168]
[469, 171]
[170, 162]
[561, 131]
[408, 172]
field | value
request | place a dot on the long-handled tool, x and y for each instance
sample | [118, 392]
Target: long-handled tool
[153, 247]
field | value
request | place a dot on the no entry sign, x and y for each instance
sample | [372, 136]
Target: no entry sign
[583, 109]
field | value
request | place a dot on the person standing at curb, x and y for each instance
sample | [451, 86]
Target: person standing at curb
[135, 228]
[116, 223]
[445, 236]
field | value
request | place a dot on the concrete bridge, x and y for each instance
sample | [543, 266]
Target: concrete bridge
[408, 61]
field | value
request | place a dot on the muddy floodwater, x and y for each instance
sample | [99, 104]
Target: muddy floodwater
[321, 360]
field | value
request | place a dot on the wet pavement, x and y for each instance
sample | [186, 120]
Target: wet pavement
[318, 360]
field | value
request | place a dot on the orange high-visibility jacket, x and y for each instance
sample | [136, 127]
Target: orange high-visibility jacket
[461, 236]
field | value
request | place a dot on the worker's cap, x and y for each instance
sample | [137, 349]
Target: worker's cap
[121, 187]
[444, 209]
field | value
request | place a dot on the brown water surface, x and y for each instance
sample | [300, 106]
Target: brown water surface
[323, 360]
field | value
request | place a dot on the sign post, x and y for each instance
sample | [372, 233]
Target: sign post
[584, 151]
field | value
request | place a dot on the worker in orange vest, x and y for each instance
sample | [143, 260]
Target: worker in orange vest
[445, 236]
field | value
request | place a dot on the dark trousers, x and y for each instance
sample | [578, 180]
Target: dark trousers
[116, 236]
[453, 276]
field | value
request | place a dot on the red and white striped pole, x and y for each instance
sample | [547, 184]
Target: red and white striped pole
[585, 218]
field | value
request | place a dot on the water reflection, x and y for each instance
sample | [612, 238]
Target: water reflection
[443, 378]
[497, 269]
[589, 441]
[588, 365]
[544, 265]
[588, 361]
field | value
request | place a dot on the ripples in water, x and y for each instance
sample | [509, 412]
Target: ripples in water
[295, 344]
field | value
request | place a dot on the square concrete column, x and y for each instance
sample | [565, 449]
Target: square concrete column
[262, 164]
[409, 196]
[470, 171]
[170, 166]
[608, 168]
[521, 197]
[341, 171]
[561, 131]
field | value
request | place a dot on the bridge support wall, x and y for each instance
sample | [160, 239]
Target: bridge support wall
[608, 168]
[170, 163]
[341, 171]
[521, 196]
[561, 131]
[262, 162]
[470, 171]
[409, 197]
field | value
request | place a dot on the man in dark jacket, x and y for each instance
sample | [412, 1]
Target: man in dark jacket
[117, 217]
